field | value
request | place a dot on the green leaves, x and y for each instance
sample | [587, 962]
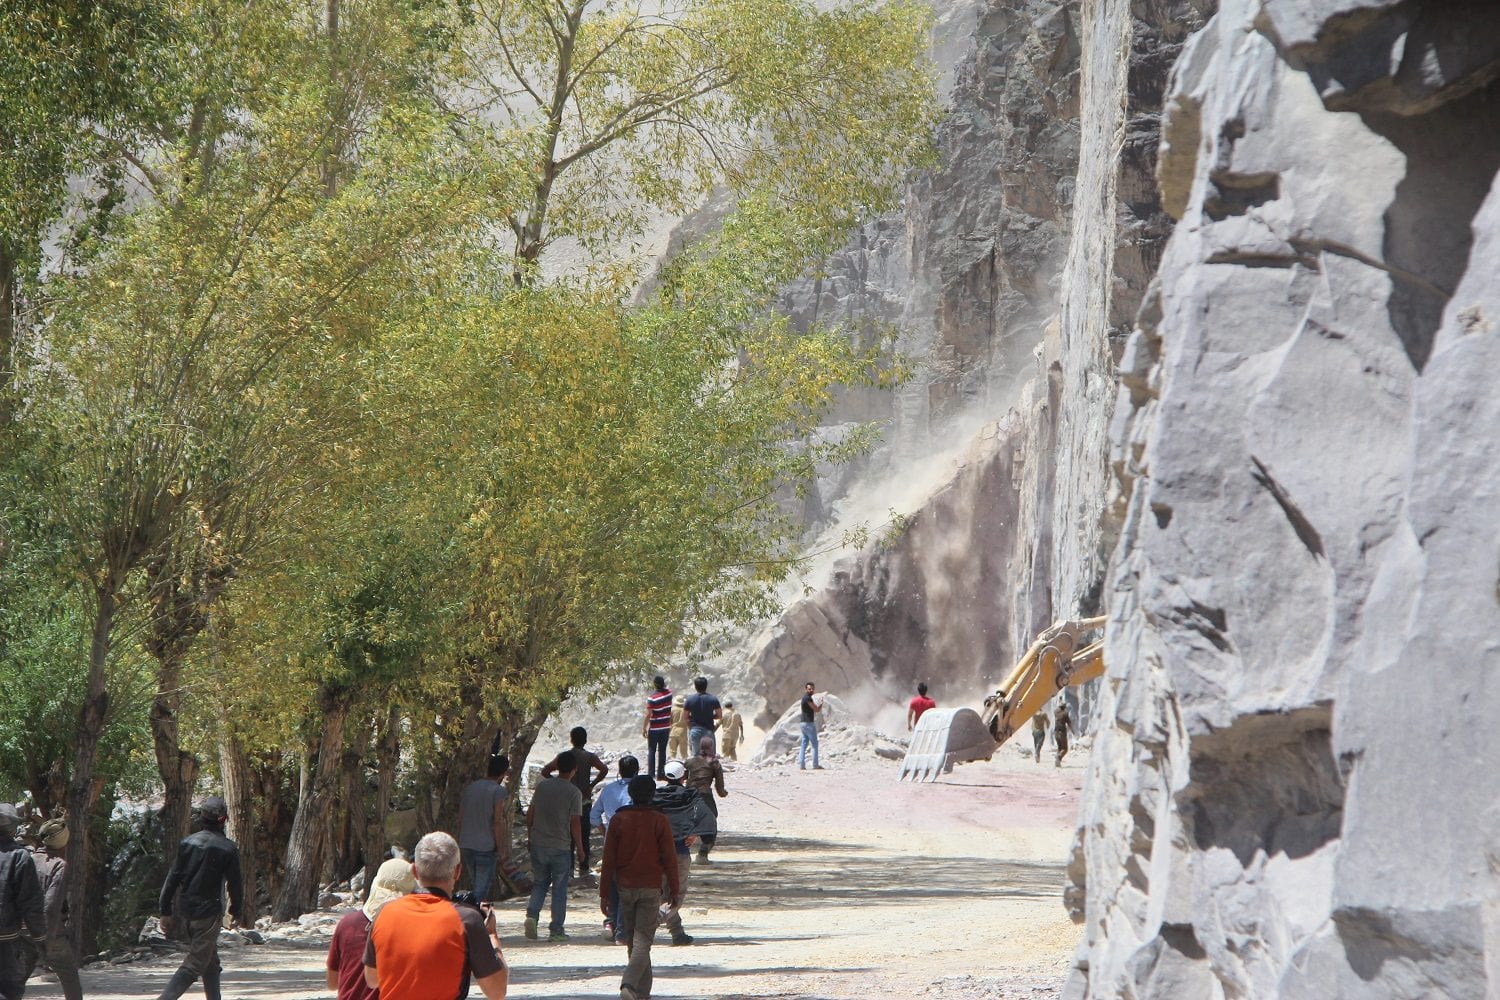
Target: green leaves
[312, 380]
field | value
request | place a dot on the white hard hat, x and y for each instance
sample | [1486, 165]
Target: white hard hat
[675, 769]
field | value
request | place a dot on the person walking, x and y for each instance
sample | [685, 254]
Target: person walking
[611, 799]
[705, 775]
[555, 832]
[732, 730]
[810, 709]
[192, 900]
[640, 861]
[484, 826]
[703, 712]
[656, 728]
[1062, 724]
[691, 820]
[52, 872]
[677, 744]
[23, 915]
[917, 707]
[591, 770]
[421, 946]
[1039, 733]
[346, 952]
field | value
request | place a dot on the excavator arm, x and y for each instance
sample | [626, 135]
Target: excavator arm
[1056, 660]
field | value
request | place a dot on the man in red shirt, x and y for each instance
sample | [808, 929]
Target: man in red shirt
[919, 704]
[640, 856]
[346, 953]
[421, 945]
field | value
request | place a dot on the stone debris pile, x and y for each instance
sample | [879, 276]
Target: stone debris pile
[840, 736]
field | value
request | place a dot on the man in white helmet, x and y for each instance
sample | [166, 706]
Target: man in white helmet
[691, 820]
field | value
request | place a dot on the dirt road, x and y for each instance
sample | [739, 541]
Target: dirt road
[840, 884]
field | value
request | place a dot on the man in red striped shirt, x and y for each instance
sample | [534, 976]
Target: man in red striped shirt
[656, 728]
[421, 945]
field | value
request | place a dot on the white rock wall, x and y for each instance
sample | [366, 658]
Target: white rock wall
[1298, 795]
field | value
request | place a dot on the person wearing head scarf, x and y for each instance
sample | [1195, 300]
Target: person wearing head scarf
[52, 870]
[705, 774]
[192, 900]
[346, 953]
[23, 920]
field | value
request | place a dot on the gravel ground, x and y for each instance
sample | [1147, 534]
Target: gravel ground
[841, 884]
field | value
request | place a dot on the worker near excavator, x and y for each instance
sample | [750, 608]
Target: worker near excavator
[1062, 723]
[1038, 733]
[810, 709]
[921, 703]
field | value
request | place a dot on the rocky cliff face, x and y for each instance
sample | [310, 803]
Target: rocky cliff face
[1297, 795]
[1013, 275]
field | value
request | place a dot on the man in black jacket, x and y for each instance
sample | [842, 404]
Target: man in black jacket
[192, 900]
[691, 820]
[21, 910]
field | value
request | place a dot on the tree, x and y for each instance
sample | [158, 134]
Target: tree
[637, 109]
[178, 391]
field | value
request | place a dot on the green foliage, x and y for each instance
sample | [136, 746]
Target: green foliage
[637, 109]
[295, 395]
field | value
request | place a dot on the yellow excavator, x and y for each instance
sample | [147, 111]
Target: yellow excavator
[1057, 659]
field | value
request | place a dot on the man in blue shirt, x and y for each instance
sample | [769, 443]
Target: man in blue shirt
[703, 712]
[613, 797]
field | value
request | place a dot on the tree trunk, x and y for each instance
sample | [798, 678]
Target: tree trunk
[178, 769]
[466, 755]
[183, 588]
[349, 826]
[275, 812]
[83, 786]
[520, 729]
[239, 795]
[387, 759]
[306, 850]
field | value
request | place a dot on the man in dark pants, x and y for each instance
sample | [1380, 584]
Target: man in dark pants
[656, 727]
[192, 900]
[590, 771]
[639, 861]
[52, 871]
[22, 915]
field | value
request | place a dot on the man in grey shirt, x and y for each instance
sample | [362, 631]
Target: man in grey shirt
[483, 830]
[556, 839]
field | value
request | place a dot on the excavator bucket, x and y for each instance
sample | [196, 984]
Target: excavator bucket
[944, 737]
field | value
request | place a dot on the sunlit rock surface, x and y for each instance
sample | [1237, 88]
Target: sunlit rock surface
[1297, 796]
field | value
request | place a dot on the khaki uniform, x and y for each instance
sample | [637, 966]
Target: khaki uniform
[731, 731]
[677, 748]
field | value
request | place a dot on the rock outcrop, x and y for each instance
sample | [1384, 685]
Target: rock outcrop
[1297, 795]
[1046, 202]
